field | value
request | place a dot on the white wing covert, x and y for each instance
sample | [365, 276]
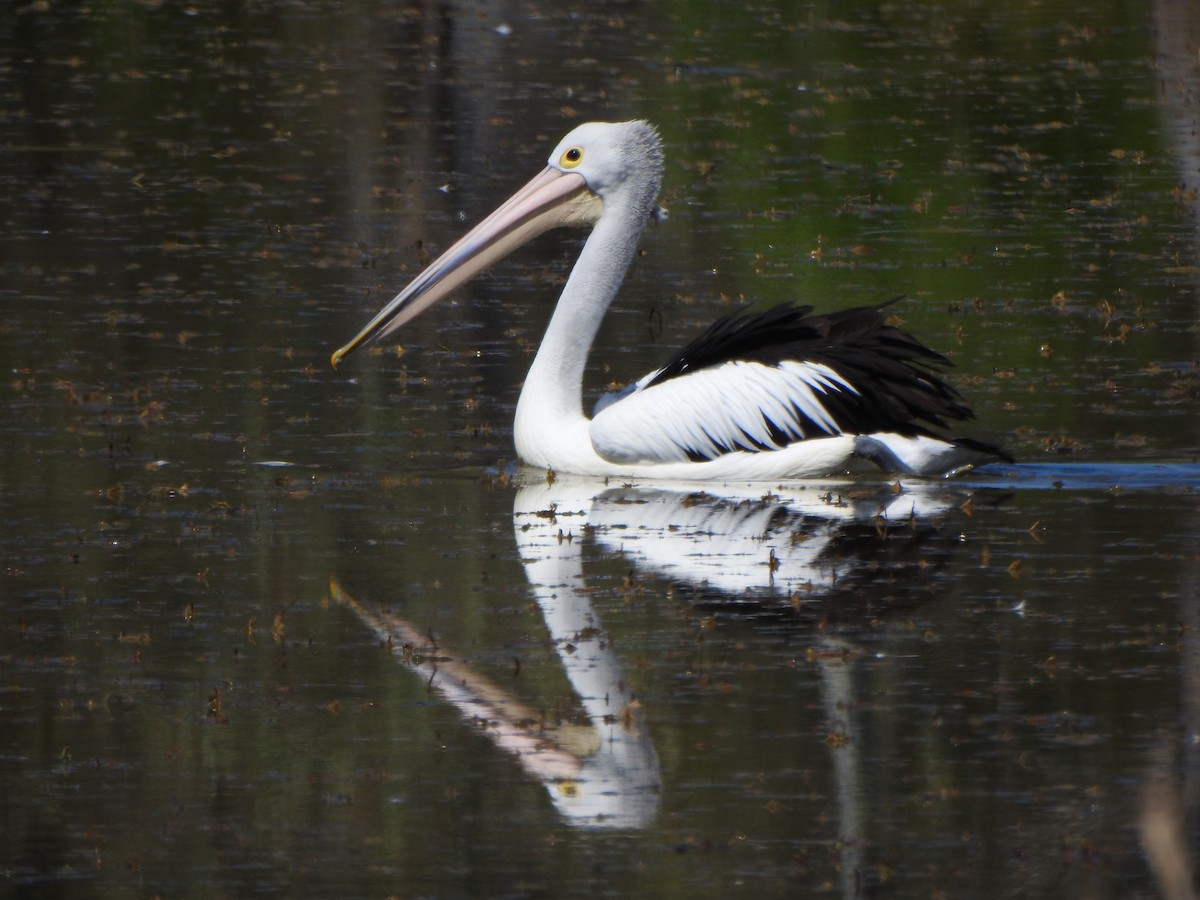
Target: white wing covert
[737, 405]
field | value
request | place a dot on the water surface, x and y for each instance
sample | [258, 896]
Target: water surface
[271, 628]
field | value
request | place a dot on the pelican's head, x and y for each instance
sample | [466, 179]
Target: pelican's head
[615, 159]
[597, 165]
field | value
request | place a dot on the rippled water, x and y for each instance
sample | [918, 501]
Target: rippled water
[271, 628]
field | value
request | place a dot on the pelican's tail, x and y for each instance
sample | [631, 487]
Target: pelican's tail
[922, 454]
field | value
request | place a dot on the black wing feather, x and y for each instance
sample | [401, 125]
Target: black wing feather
[898, 386]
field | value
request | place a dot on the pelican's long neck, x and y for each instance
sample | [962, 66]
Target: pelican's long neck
[551, 404]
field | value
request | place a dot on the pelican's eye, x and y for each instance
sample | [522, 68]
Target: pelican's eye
[571, 158]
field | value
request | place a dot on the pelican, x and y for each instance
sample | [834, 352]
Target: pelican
[779, 394]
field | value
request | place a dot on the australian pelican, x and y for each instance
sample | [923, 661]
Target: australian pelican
[771, 395]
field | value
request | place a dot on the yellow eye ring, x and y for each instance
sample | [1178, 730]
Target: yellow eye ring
[571, 158]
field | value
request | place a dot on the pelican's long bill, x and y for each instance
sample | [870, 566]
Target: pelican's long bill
[551, 199]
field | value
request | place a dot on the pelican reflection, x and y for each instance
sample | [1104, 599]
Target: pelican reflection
[747, 547]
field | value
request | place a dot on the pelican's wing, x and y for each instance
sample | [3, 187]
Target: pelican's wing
[734, 406]
[758, 382]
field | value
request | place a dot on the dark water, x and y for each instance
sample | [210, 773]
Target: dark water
[209, 540]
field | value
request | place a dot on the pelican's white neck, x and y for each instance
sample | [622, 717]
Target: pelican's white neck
[550, 428]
